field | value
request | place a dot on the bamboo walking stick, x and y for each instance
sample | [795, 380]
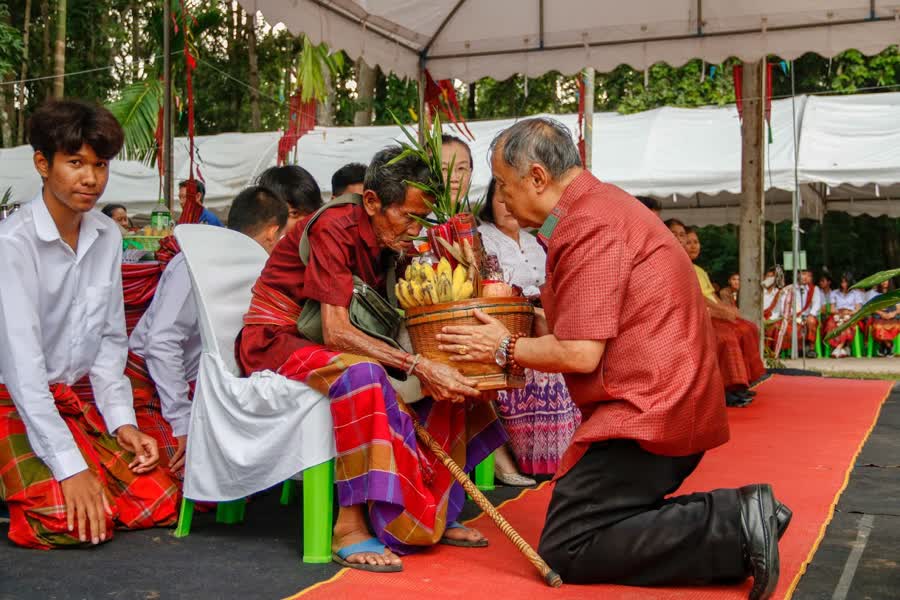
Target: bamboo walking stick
[550, 577]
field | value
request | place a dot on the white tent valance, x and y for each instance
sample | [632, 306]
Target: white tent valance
[690, 159]
[470, 39]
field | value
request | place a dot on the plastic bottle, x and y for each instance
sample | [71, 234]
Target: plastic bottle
[161, 218]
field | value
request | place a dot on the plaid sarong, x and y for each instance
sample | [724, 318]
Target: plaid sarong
[36, 504]
[731, 358]
[845, 338]
[411, 496]
[148, 411]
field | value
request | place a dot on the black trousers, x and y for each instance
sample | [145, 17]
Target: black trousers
[609, 522]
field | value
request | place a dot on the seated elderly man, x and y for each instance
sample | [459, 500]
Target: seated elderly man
[411, 499]
[650, 410]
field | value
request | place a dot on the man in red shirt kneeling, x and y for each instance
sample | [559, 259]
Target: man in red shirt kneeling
[650, 410]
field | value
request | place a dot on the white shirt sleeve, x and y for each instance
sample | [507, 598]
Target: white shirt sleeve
[112, 389]
[816, 307]
[23, 366]
[175, 321]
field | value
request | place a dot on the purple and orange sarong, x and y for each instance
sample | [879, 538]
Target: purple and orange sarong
[37, 508]
[411, 497]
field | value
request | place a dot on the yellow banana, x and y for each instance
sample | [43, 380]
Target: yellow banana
[428, 273]
[444, 268]
[417, 293]
[401, 295]
[409, 271]
[445, 288]
[429, 294]
[466, 290]
[459, 276]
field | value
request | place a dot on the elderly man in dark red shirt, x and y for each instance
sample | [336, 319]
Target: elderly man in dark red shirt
[394, 498]
[639, 359]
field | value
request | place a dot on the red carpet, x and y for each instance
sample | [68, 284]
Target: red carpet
[801, 434]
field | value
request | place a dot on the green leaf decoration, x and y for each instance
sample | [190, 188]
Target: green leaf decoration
[137, 111]
[868, 309]
[873, 280]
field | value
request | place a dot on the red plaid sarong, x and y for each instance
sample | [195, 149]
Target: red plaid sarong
[37, 508]
[885, 330]
[731, 357]
[268, 306]
[845, 338]
[148, 411]
[748, 336]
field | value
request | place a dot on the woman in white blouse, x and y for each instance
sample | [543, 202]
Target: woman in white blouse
[540, 418]
[844, 302]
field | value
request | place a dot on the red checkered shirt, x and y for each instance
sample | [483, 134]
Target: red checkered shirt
[615, 273]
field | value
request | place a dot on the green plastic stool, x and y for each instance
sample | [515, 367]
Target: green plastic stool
[484, 474]
[870, 345]
[897, 346]
[318, 511]
[857, 344]
[820, 346]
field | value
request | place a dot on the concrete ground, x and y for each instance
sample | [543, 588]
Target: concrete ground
[872, 366]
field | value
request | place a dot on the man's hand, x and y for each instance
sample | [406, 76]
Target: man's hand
[146, 453]
[473, 343]
[86, 505]
[176, 463]
[444, 383]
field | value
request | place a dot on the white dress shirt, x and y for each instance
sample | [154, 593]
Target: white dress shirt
[848, 301]
[768, 298]
[62, 317]
[523, 263]
[818, 300]
[168, 338]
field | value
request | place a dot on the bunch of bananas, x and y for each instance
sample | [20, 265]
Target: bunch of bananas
[424, 285]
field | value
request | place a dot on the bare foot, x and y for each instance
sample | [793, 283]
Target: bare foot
[342, 539]
[464, 534]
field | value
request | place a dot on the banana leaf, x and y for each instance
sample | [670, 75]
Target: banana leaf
[868, 309]
[873, 280]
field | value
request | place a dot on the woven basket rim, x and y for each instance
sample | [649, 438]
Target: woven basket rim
[469, 304]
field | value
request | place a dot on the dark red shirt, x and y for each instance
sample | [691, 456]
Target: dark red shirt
[616, 273]
[342, 244]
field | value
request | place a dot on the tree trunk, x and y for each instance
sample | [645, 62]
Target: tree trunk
[23, 74]
[6, 134]
[366, 77]
[135, 40]
[325, 108]
[472, 89]
[255, 117]
[59, 55]
[45, 46]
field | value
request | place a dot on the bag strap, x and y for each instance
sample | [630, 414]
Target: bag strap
[339, 201]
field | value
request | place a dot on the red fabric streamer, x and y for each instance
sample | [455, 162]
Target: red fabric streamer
[192, 208]
[738, 73]
[440, 97]
[301, 119]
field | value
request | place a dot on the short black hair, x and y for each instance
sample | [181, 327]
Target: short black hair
[346, 176]
[486, 214]
[67, 125]
[201, 189]
[257, 207]
[670, 222]
[851, 280]
[109, 209]
[389, 180]
[295, 185]
[651, 203]
[446, 138]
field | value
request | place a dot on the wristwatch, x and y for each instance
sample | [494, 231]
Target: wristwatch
[501, 356]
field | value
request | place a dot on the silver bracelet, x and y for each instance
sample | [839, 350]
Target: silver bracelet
[415, 362]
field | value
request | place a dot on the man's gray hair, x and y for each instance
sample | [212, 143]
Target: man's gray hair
[540, 140]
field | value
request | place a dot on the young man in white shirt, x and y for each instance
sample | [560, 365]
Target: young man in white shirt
[165, 348]
[69, 475]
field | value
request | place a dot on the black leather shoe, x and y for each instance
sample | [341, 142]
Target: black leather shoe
[783, 516]
[759, 529]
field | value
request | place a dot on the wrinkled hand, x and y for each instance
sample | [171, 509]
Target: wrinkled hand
[176, 463]
[445, 383]
[146, 453]
[473, 343]
[86, 504]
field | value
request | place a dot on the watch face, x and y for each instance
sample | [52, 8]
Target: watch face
[500, 354]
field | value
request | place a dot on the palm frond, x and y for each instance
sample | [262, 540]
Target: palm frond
[881, 302]
[873, 280]
[137, 111]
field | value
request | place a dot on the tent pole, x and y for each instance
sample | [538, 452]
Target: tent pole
[752, 192]
[167, 103]
[795, 228]
[588, 116]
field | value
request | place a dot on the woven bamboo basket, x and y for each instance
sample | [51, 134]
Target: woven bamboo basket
[425, 322]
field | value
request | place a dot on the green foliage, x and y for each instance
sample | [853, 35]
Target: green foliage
[888, 300]
[873, 280]
[314, 61]
[137, 110]
[11, 44]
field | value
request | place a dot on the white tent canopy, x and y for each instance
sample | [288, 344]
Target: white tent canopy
[470, 39]
[688, 158]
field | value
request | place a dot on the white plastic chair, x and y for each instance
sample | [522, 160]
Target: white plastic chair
[248, 434]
